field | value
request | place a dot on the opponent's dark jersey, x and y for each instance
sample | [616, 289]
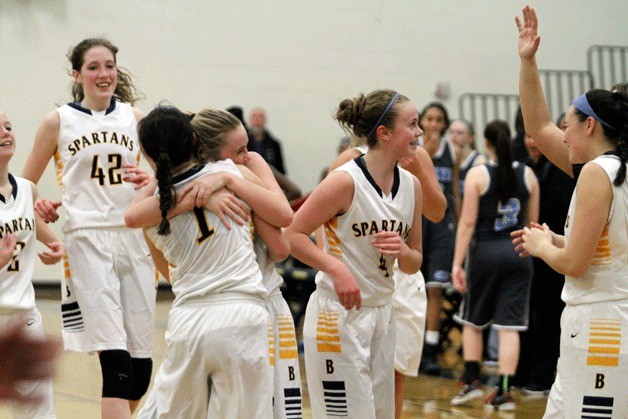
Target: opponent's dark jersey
[496, 219]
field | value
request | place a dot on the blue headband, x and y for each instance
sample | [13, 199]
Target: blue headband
[582, 104]
[392, 102]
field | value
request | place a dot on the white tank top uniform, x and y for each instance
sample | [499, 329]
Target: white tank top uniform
[282, 340]
[409, 301]
[17, 296]
[101, 253]
[218, 326]
[593, 363]
[349, 355]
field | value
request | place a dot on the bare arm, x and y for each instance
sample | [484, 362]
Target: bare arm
[466, 225]
[44, 147]
[45, 235]
[536, 115]
[593, 201]
[434, 202]
[276, 241]
[533, 200]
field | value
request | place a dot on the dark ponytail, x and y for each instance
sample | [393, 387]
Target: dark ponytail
[497, 133]
[622, 143]
[167, 194]
[166, 137]
[612, 108]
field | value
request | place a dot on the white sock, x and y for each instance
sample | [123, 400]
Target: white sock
[432, 337]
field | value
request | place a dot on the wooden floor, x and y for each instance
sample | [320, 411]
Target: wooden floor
[77, 384]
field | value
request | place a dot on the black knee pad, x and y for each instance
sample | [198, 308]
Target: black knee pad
[117, 374]
[142, 370]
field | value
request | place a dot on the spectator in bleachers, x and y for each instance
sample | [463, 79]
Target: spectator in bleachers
[263, 142]
[289, 188]
[462, 136]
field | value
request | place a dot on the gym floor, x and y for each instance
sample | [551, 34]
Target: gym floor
[77, 384]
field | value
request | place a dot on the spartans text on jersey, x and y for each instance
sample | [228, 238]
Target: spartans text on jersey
[371, 227]
[102, 137]
[16, 225]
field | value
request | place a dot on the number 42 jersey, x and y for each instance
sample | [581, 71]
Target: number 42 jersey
[92, 147]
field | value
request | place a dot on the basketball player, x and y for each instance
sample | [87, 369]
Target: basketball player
[108, 294]
[371, 210]
[20, 223]
[409, 298]
[222, 136]
[216, 359]
[438, 238]
[499, 197]
[593, 254]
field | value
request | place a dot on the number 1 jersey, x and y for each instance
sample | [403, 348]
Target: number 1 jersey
[92, 147]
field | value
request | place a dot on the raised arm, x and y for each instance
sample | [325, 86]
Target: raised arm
[536, 116]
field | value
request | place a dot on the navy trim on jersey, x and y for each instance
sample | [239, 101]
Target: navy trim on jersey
[188, 173]
[78, 107]
[13, 183]
[362, 165]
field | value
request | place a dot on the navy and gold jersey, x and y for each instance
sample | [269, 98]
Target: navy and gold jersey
[92, 147]
[17, 217]
[206, 257]
[348, 236]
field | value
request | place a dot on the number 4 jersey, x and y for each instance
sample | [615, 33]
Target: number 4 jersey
[92, 147]
[17, 217]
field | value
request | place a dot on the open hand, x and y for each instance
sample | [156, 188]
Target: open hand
[50, 258]
[134, 174]
[528, 37]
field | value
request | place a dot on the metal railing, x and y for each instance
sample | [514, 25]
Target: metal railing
[608, 64]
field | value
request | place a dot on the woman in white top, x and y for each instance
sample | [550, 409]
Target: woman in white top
[20, 226]
[371, 210]
[593, 254]
[108, 293]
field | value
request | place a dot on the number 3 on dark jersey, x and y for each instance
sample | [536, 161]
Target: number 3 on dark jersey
[205, 230]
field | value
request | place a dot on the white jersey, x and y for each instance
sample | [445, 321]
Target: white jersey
[17, 217]
[348, 236]
[91, 150]
[270, 277]
[606, 278]
[208, 258]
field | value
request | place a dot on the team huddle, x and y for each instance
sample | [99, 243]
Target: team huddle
[213, 221]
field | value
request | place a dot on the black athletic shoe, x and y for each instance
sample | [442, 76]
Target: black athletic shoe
[429, 364]
[502, 402]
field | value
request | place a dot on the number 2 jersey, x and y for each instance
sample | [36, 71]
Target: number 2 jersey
[206, 257]
[348, 236]
[17, 217]
[92, 147]
[496, 219]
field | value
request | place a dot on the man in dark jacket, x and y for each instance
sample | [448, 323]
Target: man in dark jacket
[262, 141]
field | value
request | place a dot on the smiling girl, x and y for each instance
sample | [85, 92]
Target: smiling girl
[108, 293]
